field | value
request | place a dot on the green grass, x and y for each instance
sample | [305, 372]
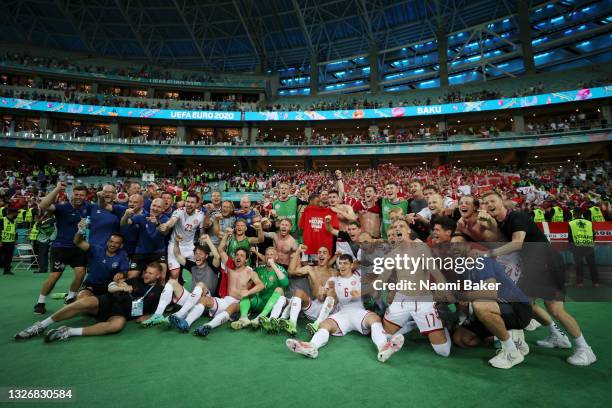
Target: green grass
[143, 367]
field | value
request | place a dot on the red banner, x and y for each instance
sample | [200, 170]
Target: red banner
[557, 232]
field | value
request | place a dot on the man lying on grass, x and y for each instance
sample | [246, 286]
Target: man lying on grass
[134, 298]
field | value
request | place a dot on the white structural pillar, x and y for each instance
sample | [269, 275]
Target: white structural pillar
[115, 130]
[518, 123]
[308, 134]
[254, 132]
[181, 133]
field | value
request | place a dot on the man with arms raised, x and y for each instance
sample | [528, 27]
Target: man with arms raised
[317, 306]
[284, 243]
[368, 211]
[344, 211]
[204, 282]
[240, 278]
[236, 238]
[63, 250]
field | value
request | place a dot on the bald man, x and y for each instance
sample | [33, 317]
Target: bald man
[104, 222]
[152, 231]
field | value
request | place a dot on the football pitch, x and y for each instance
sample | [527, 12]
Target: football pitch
[160, 367]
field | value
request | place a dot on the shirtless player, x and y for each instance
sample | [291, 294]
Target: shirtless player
[239, 280]
[284, 243]
[317, 308]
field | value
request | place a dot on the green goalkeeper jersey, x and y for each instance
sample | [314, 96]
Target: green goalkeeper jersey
[270, 280]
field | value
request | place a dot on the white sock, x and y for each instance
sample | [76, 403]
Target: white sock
[75, 331]
[42, 299]
[164, 299]
[195, 313]
[378, 335]
[444, 349]
[190, 302]
[328, 306]
[278, 307]
[320, 338]
[554, 329]
[581, 342]
[47, 322]
[71, 294]
[218, 320]
[508, 345]
[286, 310]
[296, 306]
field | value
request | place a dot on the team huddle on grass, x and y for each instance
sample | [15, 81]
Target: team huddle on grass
[311, 257]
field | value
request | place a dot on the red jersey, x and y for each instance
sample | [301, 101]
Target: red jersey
[361, 206]
[312, 224]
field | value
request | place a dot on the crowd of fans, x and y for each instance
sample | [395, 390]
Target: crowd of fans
[138, 72]
[570, 186]
[245, 258]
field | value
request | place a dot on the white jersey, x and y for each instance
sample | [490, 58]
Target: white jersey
[186, 225]
[426, 212]
[348, 292]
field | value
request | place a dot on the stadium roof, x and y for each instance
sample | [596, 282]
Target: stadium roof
[240, 35]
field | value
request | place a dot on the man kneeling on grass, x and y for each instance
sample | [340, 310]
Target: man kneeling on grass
[134, 298]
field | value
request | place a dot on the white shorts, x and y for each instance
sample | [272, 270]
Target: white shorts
[186, 251]
[313, 309]
[221, 304]
[424, 314]
[350, 319]
[180, 300]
